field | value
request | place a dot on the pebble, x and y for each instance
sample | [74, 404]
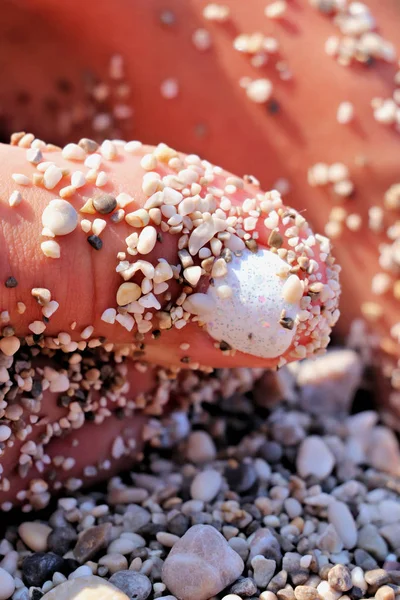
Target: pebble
[83, 571]
[7, 585]
[206, 555]
[264, 569]
[95, 242]
[34, 535]
[91, 541]
[370, 540]
[326, 592]
[329, 541]
[265, 543]
[85, 588]
[136, 517]
[147, 240]
[206, 485]
[38, 568]
[114, 562]
[340, 517]
[105, 204]
[200, 447]
[391, 533]
[314, 458]
[73, 152]
[61, 539]
[135, 585]
[126, 545]
[60, 217]
[306, 592]
[339, 578]
[244, 587]
[52, 176]
[385, 593]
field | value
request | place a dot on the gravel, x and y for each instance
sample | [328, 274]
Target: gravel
[263, 500]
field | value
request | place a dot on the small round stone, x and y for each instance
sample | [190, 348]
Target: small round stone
[41, 566]
[147, 240]
[61, 539]
[105, 204]
[60, 217]
[128, 292]
[206, 485]
[5, 433]
[34, 535]
[339, 578]
[7, 585]
[10, 345]
[85, 588]
[135, 585]
[200, 447]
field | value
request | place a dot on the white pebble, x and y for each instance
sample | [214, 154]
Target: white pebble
[78, 179]
[52, 176]
[15, 198]
[292, 290]
[73, 152]
[51, 249]
[276, 10]
[83, 571]
[259, 90]
[21, 179]
[60, 217]
[257, 300]
[340, 517]
[147, 240]
[206, 485]
[109, 315]
[5, 432]
[314, 458]
[7, 585]
[345, 113]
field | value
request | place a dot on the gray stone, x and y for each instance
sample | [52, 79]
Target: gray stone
[201, 564]
[391, 533]
[135, 517]
[135, 585]
[370, 540]
[265, 543]
[329, 541]
[244, 587]
[264, 569]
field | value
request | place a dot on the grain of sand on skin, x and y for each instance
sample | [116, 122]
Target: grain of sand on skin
[263, 496]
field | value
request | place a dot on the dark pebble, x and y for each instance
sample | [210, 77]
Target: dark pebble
[61, 539]
[271, 452]
[244, 587]
[36, 594]
[356, 593]
[150, 529]
[291, 564]
[179, 524]
[105, 204]
[339, 578]
[395, 577]
[241, 478]
[41, 566]
[135, 585]
[91, 541]
[11, 282]
[95, 242]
